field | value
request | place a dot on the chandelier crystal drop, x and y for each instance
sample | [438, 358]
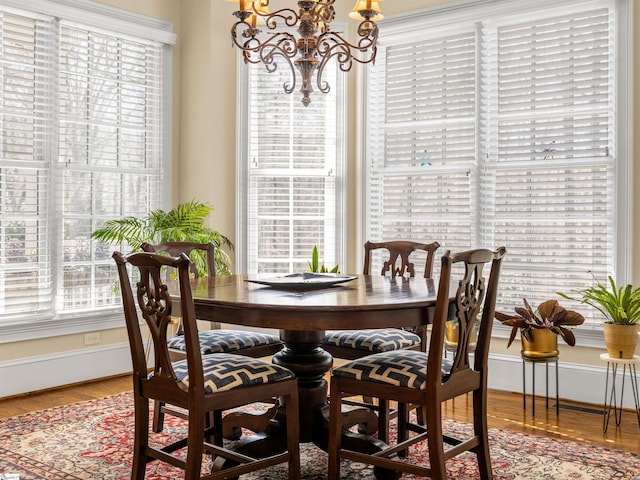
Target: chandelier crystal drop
[315, 45]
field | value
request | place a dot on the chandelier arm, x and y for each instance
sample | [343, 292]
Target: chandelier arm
[331, 44]
[268, 53]
[283, 41]
[286, 15]
[325, 12]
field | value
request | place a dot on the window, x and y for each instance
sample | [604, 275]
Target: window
[290, 175]
[499, 125]
[82, 142]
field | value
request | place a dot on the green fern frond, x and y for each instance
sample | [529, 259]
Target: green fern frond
[186, 222]
[133, 231]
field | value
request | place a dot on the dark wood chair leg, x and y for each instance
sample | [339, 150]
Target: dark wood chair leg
[195, 447]
[335, 434]
[436, 446]
[158, 416]
[141, 438]
[481, 430]
[383, 420]
[403, 417]
[293, 434]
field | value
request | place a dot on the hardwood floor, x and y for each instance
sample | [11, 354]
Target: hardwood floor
[577, 422]
[81, 392]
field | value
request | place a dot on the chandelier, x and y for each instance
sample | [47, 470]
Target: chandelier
[315, 45]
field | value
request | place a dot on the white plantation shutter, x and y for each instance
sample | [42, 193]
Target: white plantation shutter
[293, 163]
[110, 151]
[500, 129]
[82, 142]
[556, 157]
[25, 96]
[423, 137]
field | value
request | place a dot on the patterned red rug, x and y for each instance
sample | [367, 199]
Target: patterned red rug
[92, 440]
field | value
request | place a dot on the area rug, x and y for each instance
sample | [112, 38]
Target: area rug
[93, 440]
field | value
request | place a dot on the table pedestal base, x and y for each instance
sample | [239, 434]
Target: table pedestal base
[303, 355]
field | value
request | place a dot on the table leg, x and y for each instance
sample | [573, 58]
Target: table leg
[546, 384]
[533, 389]
[618, 411]
[557, 390]
[609, 396]
[524, 385]
[634, 386]
[303, 355]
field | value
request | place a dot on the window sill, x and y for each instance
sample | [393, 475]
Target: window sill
[81, 323]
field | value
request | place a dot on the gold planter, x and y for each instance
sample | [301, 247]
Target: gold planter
[451, 335]
[620, 340]
[544, 345]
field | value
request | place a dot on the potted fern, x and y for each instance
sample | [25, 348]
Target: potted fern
[621, 307]
[183, 223]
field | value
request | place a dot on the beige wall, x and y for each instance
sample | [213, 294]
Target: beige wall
[204, 135]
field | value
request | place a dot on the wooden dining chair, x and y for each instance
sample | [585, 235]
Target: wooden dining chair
[198, 384]
[351, 344]
[252, 344]
[414, 377]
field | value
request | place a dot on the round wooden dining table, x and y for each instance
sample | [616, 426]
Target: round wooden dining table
[302, 316]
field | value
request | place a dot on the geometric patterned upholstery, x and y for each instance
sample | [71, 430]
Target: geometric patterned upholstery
[373, 340]
[221, 341]
[402, 368]
[226, 371]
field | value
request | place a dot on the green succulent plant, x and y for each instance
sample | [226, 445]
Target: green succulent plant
[619, 305]
[183, 223]
[314, 264]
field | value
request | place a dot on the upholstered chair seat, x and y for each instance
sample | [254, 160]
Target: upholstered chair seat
[373, 340]
[226, 341]
[223, 372]
[396, 368]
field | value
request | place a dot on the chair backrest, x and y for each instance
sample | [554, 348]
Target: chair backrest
[174, 249]
[154, 303]
[398, 262]
[475, 300]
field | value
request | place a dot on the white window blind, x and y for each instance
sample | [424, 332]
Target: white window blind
[293, 159]
[501, 130]
[26, 96]
[82, 128]
[423, 138]
[554, 172]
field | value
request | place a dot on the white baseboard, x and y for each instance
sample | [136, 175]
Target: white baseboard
[582, 383]
[46, 371]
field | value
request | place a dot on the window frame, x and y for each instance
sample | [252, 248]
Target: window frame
[440, 17]
[242, 161]
[127, 25]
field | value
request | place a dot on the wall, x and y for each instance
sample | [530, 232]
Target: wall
[204, 163]
[37, 364]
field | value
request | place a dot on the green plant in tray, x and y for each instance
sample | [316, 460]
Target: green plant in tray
[314, 264]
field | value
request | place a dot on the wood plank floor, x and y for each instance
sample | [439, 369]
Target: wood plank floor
[577, 422]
